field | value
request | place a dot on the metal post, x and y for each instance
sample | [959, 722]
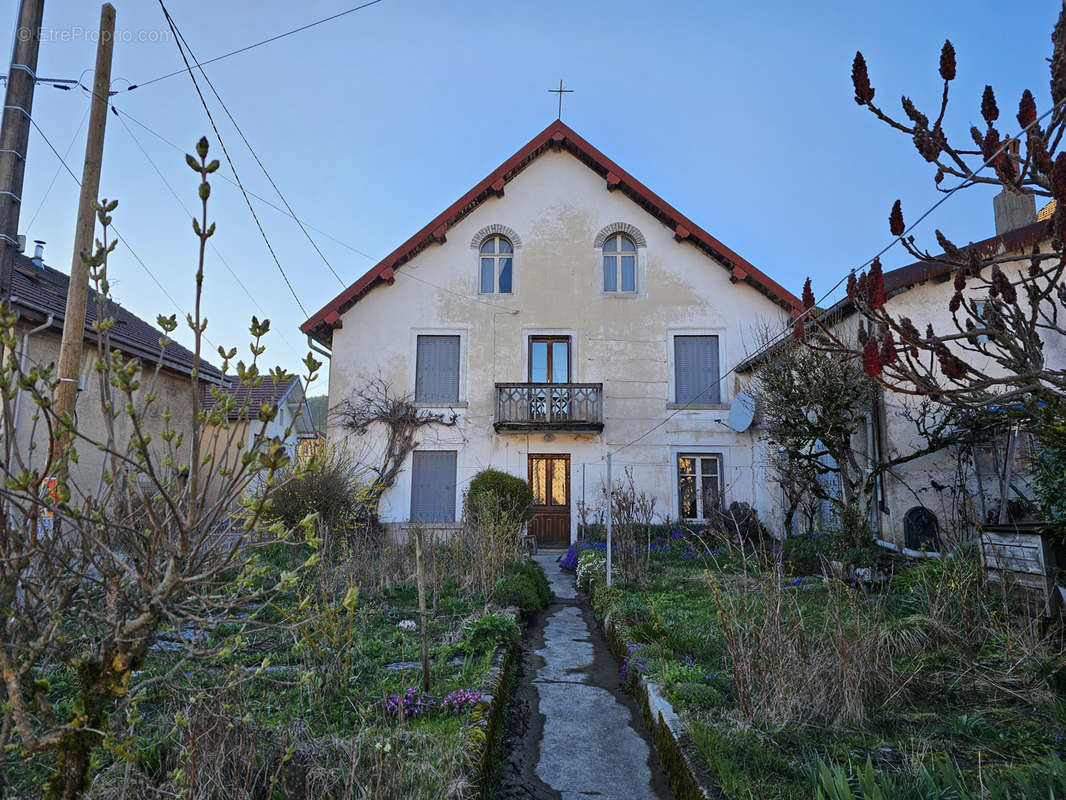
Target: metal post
[609, 514]
[583, 507]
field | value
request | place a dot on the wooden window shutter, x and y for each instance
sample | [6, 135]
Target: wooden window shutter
[437, 369]
[433, 486]
[696, 369]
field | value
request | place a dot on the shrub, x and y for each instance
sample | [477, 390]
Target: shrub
[485, 634]
[739, 523]
[330, 486]
[524, 586]
[513, 493]
[591, 568]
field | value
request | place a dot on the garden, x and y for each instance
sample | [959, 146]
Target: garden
[796, 680]
[324, 690]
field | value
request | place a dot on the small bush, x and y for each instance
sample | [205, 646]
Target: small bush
[525, 587]
[591, 569]
[513, 493]
[330, 487]
[569, 562]
[485, 634]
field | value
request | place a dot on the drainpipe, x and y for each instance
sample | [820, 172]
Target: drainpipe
[317, 348]
[23, 360]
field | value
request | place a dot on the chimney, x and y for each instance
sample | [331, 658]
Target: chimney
[1013, 211]
[38, 252]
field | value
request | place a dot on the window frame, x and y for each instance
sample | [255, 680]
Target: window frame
[699, 455]
[618, 254]
[634, 235]
[463, 332]
[455, 486]
[724, 393]
[496, 256]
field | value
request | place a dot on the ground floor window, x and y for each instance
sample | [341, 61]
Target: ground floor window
[699, 484]
[433, 486]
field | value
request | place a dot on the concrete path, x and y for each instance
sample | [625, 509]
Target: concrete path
[573, 731]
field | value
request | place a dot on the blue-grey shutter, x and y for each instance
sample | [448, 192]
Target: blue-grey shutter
[437, 369]
[696, 369]
[433, 486]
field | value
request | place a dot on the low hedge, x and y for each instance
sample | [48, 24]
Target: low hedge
[523, 586]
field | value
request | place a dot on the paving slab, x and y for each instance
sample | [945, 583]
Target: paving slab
[573, 730]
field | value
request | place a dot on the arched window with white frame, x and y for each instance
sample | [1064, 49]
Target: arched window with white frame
[497, 265]
[619, 264]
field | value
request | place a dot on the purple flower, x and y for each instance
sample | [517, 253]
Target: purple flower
[460, 700]
[412, 703]
[797, 582]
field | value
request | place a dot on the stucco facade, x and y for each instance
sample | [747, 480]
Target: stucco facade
[558, 212]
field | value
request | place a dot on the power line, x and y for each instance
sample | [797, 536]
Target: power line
[225, 152]
[214, 249]
[260, 198]
[59, 168]
[786, 332]
[118, 233]
[246, 48]
[258, 161]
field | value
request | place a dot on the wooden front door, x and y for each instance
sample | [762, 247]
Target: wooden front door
[549, 478]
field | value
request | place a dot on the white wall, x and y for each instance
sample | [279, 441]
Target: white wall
[557, 206]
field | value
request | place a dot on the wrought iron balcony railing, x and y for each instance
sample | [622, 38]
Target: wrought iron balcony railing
[568, 407]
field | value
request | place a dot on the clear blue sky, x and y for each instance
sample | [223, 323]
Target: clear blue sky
[741, 115]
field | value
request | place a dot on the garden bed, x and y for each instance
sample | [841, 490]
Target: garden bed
[788, 684]
[322, 700]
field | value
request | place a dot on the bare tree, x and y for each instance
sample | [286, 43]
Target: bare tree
[92, 570]
[1006, 310]
[375, 405]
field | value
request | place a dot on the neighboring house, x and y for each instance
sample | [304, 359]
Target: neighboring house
[38, 295]
[940, 492]
[292, 425]
[561, 310]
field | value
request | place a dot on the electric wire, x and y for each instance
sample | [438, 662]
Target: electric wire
[967, 181]
[59, 168]
[246, 48]
[225, 152]
[259, 161]
[214, 249]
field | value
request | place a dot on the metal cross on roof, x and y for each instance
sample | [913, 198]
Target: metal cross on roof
[561, 91]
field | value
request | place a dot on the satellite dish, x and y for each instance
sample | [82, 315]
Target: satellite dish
[741, 412]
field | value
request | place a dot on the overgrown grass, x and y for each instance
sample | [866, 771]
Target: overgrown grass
[773, 672]
[301, 707]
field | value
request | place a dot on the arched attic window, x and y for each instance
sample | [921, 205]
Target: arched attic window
[497, 265]
[619, 264]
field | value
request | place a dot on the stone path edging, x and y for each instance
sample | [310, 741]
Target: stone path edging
[689, 776]
[484, 725]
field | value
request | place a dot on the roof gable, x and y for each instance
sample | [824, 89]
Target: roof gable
[557, 136]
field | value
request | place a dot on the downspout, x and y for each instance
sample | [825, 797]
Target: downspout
[315, 346]
[24, 357]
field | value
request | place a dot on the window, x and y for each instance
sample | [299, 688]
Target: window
[437, 369]
[619, 264]
[497, 259]
[696, 378]
[433, 486]
[921, 531]
[699, 484]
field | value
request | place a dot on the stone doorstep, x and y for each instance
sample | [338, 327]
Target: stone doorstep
[689, 776]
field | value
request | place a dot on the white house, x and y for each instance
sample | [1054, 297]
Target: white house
[560, 309]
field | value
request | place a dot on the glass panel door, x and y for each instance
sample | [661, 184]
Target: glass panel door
[549, 363]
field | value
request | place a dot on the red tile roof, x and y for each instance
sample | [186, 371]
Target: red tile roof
[560, 136]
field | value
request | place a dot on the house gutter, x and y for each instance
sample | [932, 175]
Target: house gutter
[24, 358]
[317, 348]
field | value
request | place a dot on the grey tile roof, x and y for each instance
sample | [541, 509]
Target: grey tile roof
[39, 290]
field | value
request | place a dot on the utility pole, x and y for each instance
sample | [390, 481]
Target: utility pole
[78, 290]
[15, 132]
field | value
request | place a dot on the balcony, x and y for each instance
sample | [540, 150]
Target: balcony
[562, 407]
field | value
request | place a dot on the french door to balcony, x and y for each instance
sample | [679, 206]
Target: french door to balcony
[549, 362]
